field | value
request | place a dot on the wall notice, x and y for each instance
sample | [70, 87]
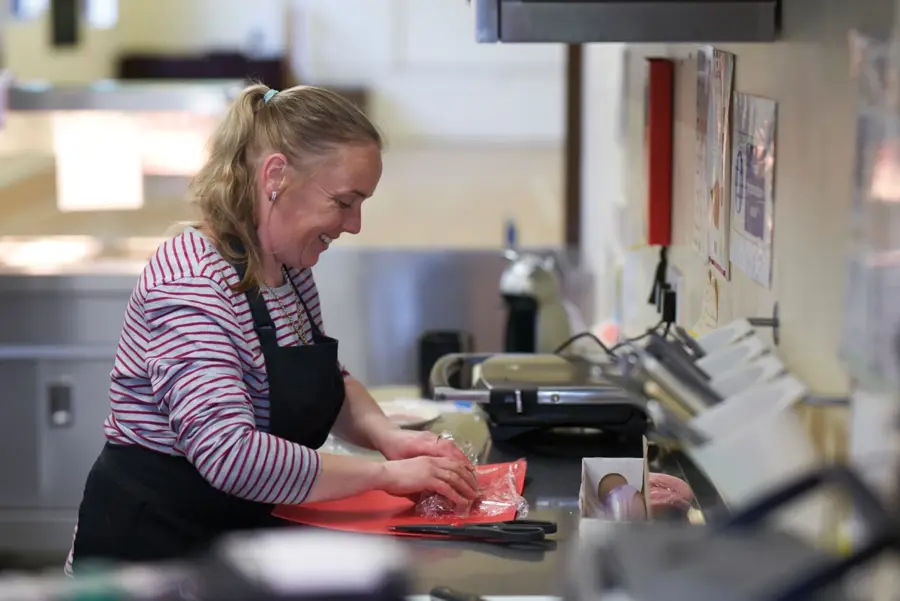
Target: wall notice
[701, 192]
[709, 311]
[753, 186]
[716, 183]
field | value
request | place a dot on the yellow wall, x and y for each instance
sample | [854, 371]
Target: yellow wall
[428, 78]
[807, 72]
[474, 131]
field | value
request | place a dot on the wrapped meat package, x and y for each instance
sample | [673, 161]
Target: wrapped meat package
[669, 496]
[497, 492]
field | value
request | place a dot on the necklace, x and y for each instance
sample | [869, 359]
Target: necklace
[292, 316]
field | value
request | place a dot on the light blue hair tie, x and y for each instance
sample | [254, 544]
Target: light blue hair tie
[269, 95]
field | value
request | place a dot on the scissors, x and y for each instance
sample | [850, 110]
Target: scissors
[510, 531]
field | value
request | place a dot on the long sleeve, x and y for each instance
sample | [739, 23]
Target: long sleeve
[194, 365]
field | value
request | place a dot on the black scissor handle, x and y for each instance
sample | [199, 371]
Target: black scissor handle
[545, 526]
[437, 529]
[504, 533]
[445, 593]
[501, 533]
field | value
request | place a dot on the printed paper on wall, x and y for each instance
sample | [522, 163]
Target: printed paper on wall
[753, 186]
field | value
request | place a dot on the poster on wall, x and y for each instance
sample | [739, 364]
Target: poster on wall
[718, 158]
[701, 192]
[753, 186]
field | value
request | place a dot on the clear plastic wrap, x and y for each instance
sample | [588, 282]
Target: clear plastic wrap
[497, 491]
[337, 446]
[624, 503]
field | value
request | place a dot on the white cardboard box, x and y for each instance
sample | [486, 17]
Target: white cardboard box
[635, 470]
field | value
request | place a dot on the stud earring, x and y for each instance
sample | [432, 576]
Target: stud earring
[272, 198]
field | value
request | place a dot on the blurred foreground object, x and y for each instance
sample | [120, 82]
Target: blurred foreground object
[280, 565]
[739, 558]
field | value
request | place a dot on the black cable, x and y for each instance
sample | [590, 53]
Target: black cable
[578, 337]
[610, 351]
[659, 276]
[640, 337]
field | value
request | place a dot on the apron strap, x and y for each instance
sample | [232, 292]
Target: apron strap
[309, 317]
[262, 321]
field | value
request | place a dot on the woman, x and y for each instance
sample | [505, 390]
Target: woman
[224, 381]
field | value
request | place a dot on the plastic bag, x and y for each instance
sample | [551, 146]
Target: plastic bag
[336, 446]
[624, 503]
[497, 492]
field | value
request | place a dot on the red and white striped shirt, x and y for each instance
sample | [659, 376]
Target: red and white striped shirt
[189, 377]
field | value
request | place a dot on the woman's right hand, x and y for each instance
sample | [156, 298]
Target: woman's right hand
[447, 477]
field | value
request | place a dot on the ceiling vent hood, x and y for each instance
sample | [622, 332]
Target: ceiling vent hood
[651, 21]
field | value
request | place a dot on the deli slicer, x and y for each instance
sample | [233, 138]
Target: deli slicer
[526, 392]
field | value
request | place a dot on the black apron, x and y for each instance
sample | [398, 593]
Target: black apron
[140, 505]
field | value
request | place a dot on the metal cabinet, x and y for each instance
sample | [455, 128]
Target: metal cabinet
[74, 394]
[57, 345]
[58, 335]
[19, 468]
[52, 407]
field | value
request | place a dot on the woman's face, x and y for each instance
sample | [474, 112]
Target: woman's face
[313, 208]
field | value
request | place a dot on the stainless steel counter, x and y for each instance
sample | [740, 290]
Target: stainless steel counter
[551, 489]
[211, 97]
[377, 302]
[59, 331]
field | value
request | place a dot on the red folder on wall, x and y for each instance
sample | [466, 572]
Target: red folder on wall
[659, 138]
[376, 512]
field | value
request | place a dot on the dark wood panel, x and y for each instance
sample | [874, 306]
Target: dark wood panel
[573, 140]
[273, 72]
[206, 66]
[65, 18]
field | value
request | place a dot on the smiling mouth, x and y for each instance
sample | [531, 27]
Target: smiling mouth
[324, 238]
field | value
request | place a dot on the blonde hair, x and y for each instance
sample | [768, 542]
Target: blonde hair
[303, 122]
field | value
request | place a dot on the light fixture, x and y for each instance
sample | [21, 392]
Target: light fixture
[38, 255]
[28, 10]
[98, 162]
[101, 14]
[174, 143]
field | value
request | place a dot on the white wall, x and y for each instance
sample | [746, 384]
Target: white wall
[603, 190]
[807, 72]
[430, 80]
[474, 131]
[174, 26]
[27, 52]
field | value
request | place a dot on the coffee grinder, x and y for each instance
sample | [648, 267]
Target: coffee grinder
[537, 316]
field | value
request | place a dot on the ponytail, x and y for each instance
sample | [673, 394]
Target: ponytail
[303, 123]
[224, 188]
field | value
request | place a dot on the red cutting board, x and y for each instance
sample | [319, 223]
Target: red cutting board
[376, 512]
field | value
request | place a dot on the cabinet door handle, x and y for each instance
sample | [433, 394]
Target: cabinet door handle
[59, 401]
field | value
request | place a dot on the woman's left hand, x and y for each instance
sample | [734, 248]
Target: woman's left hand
[407, 444]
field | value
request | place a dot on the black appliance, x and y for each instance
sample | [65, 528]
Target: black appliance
[435, 344]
